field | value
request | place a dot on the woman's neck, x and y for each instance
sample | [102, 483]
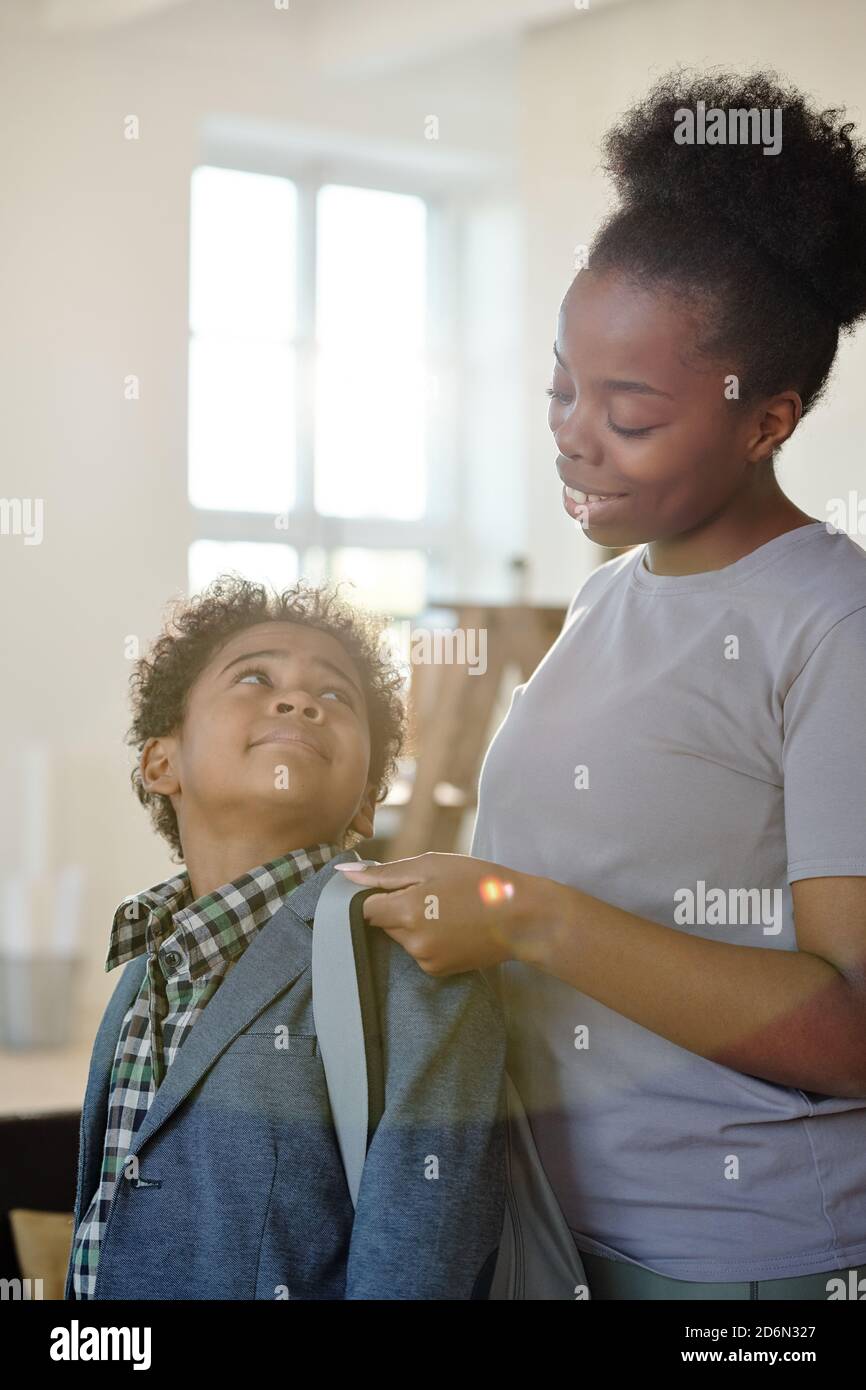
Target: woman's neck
[746, 522]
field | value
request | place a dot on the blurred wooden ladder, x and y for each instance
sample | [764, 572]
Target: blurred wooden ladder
[450, 709]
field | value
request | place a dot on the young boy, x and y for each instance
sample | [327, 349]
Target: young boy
[268, 727]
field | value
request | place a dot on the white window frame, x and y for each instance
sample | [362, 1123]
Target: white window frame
[439, 533]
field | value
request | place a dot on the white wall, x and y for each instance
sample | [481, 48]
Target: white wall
[576, 77]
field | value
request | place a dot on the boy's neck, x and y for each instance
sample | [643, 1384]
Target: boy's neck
[212, 865]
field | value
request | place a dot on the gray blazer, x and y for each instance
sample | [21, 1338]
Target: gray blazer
[242, 1192]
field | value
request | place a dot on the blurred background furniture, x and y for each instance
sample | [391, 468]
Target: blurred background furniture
[453, 711]
[38, 1166]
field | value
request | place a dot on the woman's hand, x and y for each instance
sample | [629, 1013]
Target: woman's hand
[452, 912]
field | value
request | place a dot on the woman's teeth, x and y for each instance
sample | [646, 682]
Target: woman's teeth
[582, 497]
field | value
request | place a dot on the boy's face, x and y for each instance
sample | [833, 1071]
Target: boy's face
[275, 743]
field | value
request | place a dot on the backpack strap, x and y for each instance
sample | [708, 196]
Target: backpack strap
[347, 1021]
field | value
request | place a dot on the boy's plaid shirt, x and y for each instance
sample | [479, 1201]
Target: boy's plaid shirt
[191, 947]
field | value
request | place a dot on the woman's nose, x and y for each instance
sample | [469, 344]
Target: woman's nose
[573, 437]
[569, 429]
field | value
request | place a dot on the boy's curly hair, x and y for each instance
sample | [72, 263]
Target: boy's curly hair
[197, 627]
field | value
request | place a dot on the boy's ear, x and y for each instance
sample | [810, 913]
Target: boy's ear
[155, 767]
[362, 821]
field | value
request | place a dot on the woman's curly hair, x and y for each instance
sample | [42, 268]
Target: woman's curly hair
[770, 248]
[196, 628]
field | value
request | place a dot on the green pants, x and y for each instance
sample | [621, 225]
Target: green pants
[617, 1279]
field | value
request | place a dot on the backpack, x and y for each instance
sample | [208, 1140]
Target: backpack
[537, 1256]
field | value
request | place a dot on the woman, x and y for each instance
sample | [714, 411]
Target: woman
[678, 794]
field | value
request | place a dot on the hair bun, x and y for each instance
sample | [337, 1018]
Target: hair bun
[803, 208]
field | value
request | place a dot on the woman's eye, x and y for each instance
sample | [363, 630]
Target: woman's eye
[617, 429]
[630, 434]
[252, 672]
[557, 395]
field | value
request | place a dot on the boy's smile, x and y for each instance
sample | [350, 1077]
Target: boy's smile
[297, 740]
[273, 754]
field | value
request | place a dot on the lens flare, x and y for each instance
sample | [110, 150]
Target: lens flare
[493, 890]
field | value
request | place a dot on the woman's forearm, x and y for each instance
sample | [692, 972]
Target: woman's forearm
[786, 1016]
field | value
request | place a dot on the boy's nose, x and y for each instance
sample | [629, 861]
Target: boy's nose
[306, 707]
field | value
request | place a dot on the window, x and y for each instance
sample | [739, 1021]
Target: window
[311, 397]
[242, 341]
[370, 329]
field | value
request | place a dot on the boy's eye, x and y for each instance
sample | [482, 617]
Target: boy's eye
[250, 671]
[257, 671]
[337, 690]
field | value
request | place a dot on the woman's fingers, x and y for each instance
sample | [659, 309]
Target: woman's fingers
[389, 910]
[400, 873]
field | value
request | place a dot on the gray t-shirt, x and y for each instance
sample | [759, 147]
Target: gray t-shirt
[686, 735]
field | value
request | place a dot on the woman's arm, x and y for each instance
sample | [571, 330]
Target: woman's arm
[793, 1017]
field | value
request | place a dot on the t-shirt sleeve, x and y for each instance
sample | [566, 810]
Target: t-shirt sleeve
[824, 756]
